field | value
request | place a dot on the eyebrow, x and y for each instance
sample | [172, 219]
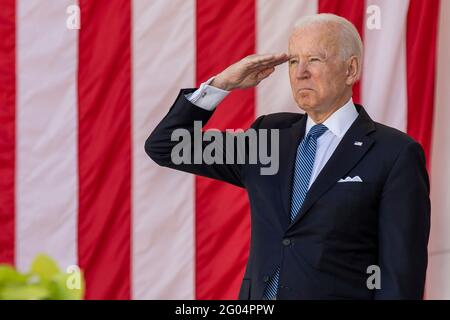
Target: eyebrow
[311, 54]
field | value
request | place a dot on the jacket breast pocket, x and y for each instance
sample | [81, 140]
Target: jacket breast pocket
[352, 206]
[354, 194]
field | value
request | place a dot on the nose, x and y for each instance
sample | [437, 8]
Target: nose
[302, 71]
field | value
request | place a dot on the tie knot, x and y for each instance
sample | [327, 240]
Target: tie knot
[317, 130]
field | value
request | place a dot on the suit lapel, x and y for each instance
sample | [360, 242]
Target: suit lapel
[344, 158]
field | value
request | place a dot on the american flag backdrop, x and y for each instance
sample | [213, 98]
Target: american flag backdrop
[76, 106]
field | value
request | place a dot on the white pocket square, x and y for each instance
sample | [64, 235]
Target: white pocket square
[349, 179]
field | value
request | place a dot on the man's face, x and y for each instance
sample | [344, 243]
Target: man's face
[316, 69]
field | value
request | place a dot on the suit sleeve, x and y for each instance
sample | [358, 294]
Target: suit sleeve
[182, 114]
[404, 226]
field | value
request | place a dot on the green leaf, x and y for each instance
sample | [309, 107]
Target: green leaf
[65, 287]
[44, 281]
[44, 267]
[9, 275]
[27, 292]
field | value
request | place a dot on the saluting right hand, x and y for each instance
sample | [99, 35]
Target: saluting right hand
[248, 72]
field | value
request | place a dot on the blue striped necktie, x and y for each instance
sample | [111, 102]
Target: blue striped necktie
[304, 162]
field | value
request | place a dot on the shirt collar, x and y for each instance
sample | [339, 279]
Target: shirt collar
[340, 121]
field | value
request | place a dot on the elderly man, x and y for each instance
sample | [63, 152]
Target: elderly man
[347, 215]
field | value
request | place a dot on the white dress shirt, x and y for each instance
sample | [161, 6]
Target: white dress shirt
[338, 124]
[208, 97]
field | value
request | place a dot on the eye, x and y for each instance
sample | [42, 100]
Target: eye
[314, 59]
[292, 62]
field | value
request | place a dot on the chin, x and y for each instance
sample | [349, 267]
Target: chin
[305, 104]
[306, 99]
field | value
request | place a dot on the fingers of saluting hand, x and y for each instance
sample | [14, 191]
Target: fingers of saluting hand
[267, 60]
[264, 74]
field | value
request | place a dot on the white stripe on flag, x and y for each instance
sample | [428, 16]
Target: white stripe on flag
[163, 200]
[383, 87]
[46, 193]
[275, 21]
[438, 280]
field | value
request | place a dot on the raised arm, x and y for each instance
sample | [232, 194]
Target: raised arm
[178, 130]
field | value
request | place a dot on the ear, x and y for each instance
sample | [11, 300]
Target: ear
[353, 70]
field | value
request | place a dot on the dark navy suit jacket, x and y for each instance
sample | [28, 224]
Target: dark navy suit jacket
[342, 228]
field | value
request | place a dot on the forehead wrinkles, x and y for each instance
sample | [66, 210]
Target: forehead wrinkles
[315, 39]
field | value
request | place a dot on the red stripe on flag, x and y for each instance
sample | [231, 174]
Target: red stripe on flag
[104, 144]
[225, 34]
[7, 128]
[421, 49]
[352, 10]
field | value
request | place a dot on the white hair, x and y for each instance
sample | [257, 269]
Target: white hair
[351, 43]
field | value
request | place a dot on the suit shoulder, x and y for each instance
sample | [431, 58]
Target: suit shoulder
[279, 120]
[393, 135]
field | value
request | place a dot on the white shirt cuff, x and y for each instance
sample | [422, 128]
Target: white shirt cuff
[207, 97]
